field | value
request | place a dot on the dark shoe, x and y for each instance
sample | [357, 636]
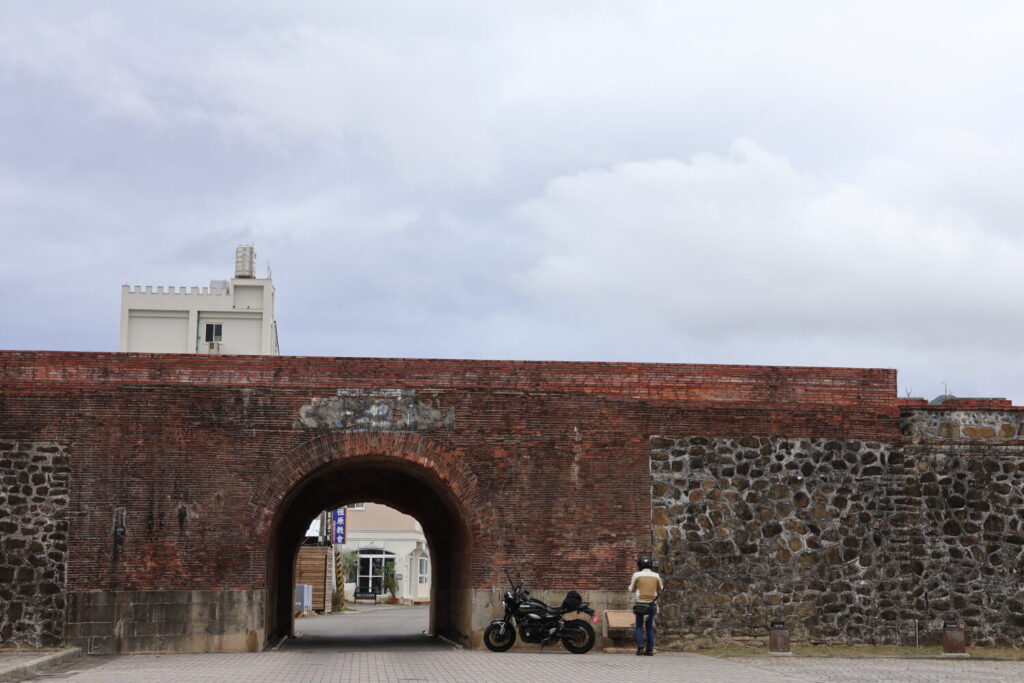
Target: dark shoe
[639, 651]
[649, 653]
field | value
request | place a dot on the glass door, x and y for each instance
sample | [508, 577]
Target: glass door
[371, 570]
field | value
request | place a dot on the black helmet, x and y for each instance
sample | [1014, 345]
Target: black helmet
[644, 563]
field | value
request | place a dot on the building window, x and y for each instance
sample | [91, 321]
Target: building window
[356, 506]
[424, 569]
[214, 332]
[371, 569]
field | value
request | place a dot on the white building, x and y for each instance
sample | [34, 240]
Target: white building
[229, 317]
[383, 535]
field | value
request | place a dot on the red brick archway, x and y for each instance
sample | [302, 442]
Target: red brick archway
[403, 470]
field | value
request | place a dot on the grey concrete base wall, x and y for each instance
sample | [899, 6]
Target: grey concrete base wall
[166, 621]
[34, 488]
[847, 541]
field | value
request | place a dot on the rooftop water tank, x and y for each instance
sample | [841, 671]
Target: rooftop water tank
[245, 261]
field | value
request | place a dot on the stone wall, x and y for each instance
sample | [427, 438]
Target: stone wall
[34, 481]
[753, 529]
[971, 538]
[848, 541]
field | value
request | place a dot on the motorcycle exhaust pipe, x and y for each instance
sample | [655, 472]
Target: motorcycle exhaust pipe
[566, 632]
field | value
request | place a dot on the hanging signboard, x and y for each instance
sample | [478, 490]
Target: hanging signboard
[338, 526]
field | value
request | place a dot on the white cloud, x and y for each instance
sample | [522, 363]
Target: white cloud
[793, 182]
[740, 251]
[299, 88]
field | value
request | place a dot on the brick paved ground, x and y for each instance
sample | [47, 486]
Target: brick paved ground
[484, 667]
[842, 669]
[406, 667]
[386, 646]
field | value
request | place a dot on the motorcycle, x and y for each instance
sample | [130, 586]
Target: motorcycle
[537, 622]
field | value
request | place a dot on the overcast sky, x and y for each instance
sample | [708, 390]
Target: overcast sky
[785, 183]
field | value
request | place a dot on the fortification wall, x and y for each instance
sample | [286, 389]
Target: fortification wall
[776, 491]
[848, 541]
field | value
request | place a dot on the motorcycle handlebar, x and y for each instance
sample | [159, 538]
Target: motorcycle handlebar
[511, 581]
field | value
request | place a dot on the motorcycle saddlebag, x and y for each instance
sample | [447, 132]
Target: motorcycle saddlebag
[572, 601]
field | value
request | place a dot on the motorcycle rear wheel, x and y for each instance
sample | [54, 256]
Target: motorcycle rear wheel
[582, 641]
[498, 642]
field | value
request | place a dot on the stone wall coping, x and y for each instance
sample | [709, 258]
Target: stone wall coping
[972, 405]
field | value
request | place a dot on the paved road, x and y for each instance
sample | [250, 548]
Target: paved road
[380, 629]
[387, 646]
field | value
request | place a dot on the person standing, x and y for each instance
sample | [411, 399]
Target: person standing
[645, 586]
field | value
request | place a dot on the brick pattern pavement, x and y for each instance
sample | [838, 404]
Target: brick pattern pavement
[407, 667]
[484, 667]
[843, 670]
[386, 645]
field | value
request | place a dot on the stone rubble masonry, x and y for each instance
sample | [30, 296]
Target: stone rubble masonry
[849, 541]
[34, 488]
[962, 425]
[355, 409]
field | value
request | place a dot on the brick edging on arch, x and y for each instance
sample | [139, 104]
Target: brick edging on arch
[331, 446]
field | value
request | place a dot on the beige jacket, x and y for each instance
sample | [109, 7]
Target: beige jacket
[645, 585]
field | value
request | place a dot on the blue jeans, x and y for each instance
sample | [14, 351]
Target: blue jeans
[641, 627]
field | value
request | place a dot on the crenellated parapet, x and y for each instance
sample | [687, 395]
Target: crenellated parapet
[178, 291]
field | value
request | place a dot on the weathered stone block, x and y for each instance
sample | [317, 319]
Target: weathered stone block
[658, 442]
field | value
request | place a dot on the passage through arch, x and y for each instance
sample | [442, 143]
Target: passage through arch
[403, 471]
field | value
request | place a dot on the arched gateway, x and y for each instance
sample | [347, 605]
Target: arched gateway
[406, 471]
[153, 502]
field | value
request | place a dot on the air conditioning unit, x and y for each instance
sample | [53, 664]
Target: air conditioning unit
[214, 347]
[303, 597]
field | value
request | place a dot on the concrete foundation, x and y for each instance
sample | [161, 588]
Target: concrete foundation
[115, 622]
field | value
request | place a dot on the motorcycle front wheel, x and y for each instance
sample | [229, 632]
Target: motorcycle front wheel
[496, 641]
[581, 640]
